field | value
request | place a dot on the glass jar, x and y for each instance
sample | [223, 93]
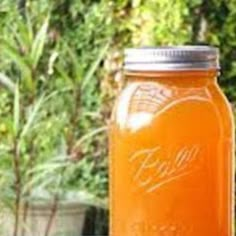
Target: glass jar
[171, 146]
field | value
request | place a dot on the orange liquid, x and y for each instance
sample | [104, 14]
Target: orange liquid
[171, 158]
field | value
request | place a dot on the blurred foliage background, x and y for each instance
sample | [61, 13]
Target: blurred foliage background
[60, 70]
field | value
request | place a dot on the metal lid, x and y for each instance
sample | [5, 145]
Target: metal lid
[172, 58]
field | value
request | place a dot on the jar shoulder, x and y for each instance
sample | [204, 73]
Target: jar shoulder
[141, 102]
[224, 108]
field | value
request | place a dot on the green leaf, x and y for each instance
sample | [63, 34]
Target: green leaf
[90, 135]
[51, 62]
[23, 33]
[32, 117]
[77, 68]
[30, 29]
[7, 82]
[55, 93]
[38, 43]
[94, 66]
[20, 61]
[42, 172]
[4, 149]
[14, 54]
[63, 74]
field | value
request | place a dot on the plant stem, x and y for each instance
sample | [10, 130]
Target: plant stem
[25, 210]
[200, 23]
[29, 166]
[55, 203]
[52, 216]
[74, 119]
[16, 162]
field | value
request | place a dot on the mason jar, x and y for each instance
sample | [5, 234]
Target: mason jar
[171, 146]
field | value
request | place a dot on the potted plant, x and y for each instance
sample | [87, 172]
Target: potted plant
[57, 205]
[50, 165]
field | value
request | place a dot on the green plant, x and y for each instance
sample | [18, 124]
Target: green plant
[52, 115]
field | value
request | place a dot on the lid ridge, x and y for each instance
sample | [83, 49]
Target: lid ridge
[172, 58]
